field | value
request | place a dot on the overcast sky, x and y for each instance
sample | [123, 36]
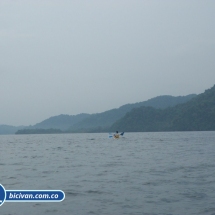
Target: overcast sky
[89, 56]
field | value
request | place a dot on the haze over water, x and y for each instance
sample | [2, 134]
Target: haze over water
[141, 173]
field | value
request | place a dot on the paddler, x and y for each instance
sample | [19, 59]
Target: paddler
[116, 135]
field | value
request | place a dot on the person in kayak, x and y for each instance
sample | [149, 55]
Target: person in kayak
[116, 135]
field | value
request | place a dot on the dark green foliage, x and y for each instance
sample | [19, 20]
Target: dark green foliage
[101, 122]
[197, 114]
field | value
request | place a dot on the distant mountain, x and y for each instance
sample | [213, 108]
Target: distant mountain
[95, 122]
[102, 121]
[197, 114]
[62, 122]
[9, 129]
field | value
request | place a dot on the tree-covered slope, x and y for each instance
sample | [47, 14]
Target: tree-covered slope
[102, 121]
[197, 114]
[95, 122]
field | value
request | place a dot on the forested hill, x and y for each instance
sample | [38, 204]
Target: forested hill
[102, 121]
[62, 121]
[54, 124]
[197, 114]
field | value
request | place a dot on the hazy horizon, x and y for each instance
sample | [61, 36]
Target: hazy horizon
[71, 57]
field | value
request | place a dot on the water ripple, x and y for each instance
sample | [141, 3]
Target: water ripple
[143, 173]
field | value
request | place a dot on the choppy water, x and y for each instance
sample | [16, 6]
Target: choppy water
[142, 173]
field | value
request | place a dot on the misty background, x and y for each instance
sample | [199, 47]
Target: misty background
[71, 57]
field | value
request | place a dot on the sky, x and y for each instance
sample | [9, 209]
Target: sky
[89, 56]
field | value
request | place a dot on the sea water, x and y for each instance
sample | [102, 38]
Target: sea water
[140, 173]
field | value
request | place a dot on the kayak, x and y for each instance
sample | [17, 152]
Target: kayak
[116, 136]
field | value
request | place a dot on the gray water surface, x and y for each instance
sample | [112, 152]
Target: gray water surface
[141, 173]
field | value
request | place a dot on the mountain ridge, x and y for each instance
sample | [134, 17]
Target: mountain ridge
[100, 121]
[198, 114]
